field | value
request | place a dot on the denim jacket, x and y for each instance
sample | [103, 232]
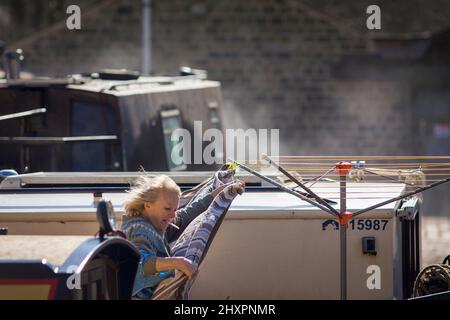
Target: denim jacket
[153, 244]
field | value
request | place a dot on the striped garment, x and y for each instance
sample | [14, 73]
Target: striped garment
[194, 242]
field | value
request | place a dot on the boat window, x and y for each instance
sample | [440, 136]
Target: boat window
[214, 117]
[214, 114]
[92, 119]
[171, 120]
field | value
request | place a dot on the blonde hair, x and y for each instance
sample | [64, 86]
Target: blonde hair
[147, 189]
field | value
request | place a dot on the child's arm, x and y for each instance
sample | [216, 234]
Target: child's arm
[153, 266]
[185, 215]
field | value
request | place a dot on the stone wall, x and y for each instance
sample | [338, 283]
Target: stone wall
[275, 59]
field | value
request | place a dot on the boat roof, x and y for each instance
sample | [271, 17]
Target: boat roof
[52, 249]
[77, 205]
[108, 178]
[142, 85]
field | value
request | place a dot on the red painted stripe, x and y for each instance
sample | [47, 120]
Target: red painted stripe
[52, 282]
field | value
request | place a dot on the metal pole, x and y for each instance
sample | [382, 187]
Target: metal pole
[343, 235]
[343, 169]
[146, 37]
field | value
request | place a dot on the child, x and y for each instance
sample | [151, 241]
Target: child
[150, 213]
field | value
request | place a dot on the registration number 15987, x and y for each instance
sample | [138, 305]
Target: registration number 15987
[368, 224]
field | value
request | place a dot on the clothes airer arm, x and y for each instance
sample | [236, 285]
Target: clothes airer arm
[403, 196]
[279, 185]
[309, 191]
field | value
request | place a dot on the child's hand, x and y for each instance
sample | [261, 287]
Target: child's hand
[185, 266]
[238, 187]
